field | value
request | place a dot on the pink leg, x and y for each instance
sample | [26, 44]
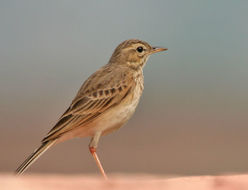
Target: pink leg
[98, 163]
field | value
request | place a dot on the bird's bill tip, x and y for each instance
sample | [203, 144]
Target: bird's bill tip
[158, 49]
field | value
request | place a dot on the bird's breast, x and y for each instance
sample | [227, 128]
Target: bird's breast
[121, 113]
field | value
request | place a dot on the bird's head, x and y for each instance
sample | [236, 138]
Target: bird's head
[133, 53]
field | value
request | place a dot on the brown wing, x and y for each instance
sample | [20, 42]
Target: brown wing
[88, 105]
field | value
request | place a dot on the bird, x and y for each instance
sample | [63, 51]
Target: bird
[104, 103]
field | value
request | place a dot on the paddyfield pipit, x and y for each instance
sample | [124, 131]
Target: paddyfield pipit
[106, 100]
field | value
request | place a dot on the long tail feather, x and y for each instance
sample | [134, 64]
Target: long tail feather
[34, 156]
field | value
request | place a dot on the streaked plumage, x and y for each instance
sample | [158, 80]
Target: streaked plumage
[106, 100]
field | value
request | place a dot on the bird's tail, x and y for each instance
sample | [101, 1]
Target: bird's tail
[34, 156]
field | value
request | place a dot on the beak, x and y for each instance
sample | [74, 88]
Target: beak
[157, 49]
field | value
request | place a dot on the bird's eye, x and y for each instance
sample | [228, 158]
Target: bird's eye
[140, 49]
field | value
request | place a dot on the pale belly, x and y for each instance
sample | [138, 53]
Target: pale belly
[106, 123]
[115, 118]
[109, 121]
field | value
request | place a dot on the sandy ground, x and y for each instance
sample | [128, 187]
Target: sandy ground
[122, 182]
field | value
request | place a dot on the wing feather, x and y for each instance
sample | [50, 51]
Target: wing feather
[85, 110]
[101, 91]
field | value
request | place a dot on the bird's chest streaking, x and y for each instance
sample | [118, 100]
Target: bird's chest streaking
[120, 114]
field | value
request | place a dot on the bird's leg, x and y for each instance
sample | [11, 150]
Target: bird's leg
[93, 152]
[92, 147]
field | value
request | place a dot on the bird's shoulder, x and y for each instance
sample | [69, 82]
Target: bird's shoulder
[107, 83]
[106, 79]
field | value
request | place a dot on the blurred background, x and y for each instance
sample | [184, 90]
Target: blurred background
[192, 118]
